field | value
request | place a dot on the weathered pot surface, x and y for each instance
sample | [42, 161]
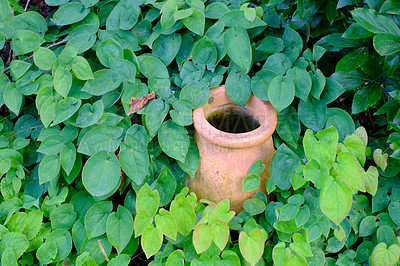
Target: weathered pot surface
[225, 158]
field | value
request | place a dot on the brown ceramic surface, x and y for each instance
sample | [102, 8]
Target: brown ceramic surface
[225, 158]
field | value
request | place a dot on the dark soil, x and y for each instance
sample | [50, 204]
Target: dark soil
[39, 6]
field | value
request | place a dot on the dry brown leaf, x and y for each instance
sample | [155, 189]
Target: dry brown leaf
[138, 103]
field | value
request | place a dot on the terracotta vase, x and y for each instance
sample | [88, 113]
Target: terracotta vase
[225, 158]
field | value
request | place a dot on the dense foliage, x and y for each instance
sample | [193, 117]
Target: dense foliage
[96, 131]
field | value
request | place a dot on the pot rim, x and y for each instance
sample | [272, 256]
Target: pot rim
[236, 140]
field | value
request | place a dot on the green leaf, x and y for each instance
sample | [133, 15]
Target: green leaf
[220, 233]
[70, 13]
[119, 228]
[165, 184]
[296, 259]
[88, 115]
[147, 200]
[68, 157]
[281, 92]
[101, 173]
[184, 214]
[335, 198]
[300, 245]
[251, 182]
[192, 159]
[195, 22]
[366, 97]
[106, 138]
[278, 63]
[142, 221]
[166, 47]
[288, 212]
[65, 108]
[271, 45]
[254, 206]
[44, 58]
[108, 49]
[394, 212]
[260, 83]
[47, 252]
[352, 60]
[152, 239]
[238, 87]
[34, 224]
[151, 66]
[126, 69]
[182, 112]
[124, 16]
[134, 161]
[52, 144]
[49, 168]
[381, 255]
[81, 68]
[368, 226]
[5, 13]
[374, 22]
[105, 80]
[156, 111]
[64, 242]
[25, 41]
[237, 18]
[18, 68]
[174, 140]
[237, 45]
[292, 39]
[280, 254]
[341, 120]
[288, 126]
[204, 54]
[96, 218]
[63, 217]
[251, 245]
[390, 7]
[195, 92]
[13, 98]
[302, 82]
[282, 168]
[167, 223]
[62, 81]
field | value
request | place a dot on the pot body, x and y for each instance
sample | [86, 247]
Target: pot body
[225, 158]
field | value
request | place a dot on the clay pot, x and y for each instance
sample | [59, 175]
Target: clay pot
[225, 158]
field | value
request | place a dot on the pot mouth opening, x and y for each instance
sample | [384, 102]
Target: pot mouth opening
[232, 118]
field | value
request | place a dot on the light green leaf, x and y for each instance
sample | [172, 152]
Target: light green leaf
[167, 223]
[65, 108]
[106, 138]
[152, 240]
[335, 198]
[238, 87]
[96, 218]
[108, 49]
[202, 237]
[105, 80]
[251, 245]
[147, 200]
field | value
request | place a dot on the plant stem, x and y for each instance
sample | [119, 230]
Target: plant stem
[103, 251]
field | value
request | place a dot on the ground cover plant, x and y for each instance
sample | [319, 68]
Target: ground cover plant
[96, 132]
